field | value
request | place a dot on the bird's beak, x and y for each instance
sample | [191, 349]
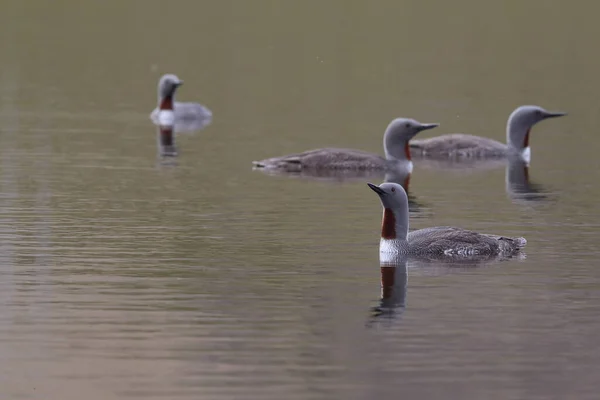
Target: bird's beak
[179, 83]
[425, 127]
[554, 114]
[377, 189]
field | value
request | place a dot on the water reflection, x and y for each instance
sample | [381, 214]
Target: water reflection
[518, 185]
[166, 141]
[165, 135]
[435, 265]
[394, 277]
[401, 176]
[394, 281]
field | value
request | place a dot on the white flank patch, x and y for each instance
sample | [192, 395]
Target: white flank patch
[461, 252]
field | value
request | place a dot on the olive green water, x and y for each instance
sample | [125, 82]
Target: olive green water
[124, 278]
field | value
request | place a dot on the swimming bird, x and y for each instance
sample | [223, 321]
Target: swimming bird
[437, 241]
[186, 116]
[395, 145]
[460, 145]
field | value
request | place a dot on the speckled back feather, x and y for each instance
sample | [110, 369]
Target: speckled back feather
[330, 158]
[446, 240]
[458, 145]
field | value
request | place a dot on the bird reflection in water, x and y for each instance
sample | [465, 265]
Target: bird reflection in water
[394, 280]
[166, 141]
[518, 185]
[401, 176]
[167, 149]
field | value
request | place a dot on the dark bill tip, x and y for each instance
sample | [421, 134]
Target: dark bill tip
[424, 127]
[376, 189]
[555, 114]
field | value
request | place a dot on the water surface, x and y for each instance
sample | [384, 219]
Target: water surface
[124, 278]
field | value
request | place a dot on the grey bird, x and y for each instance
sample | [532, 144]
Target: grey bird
[463, 146]
[395, 145]
[442, 241]
[187, 116]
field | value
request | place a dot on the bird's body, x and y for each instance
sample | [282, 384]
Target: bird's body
[395, 143]
[451, 241]
[185, 112]
[442, 241]
[327, 159]
[463, 146]
[183, 116]
[458, 145]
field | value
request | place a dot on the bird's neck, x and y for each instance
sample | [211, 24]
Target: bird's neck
[166, 103]
[517, 135]
[397, 151]
[517, 138]
[394, 225]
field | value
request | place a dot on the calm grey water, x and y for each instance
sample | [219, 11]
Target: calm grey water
[125, 278]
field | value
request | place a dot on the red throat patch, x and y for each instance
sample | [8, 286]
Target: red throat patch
[388, 225]
[407, 150]
[166, 103]
[526, 142]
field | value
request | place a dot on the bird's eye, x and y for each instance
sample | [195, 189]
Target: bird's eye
[393, 189]
[407, 125]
